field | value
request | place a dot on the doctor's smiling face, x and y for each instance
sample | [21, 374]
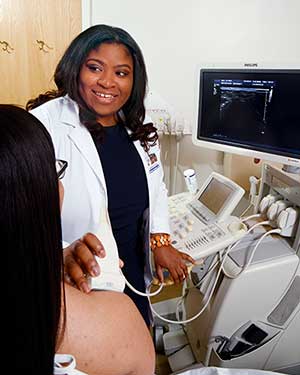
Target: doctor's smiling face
[106, 80]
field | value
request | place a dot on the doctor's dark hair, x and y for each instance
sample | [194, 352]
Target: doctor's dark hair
[67, 76]
[31, 228]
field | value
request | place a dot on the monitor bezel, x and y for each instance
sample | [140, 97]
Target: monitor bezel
[230, 202]
[246, 150]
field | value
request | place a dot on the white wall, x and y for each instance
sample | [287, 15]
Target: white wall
[177, 36]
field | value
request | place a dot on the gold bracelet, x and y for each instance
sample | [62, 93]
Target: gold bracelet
[159, 240]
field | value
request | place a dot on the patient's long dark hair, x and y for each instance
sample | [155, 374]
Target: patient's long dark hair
[67, 74]
[30, 228]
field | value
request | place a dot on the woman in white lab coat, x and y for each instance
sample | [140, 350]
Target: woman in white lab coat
[96, 119]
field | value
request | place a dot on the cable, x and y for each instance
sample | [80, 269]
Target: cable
[214, 285]
[250, 217]
[246, 210]
[222, 261]
[149, 294]
[277, 230]
[208, 271]
[203, 308]
[266, 222]
[182, 299]
[264, 205]
[142, 293]
[252, 193]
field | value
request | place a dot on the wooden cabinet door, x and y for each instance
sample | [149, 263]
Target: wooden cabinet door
[33, 34]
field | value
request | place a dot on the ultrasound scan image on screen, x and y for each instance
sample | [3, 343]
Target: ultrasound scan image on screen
[215, 195]
[251, 109]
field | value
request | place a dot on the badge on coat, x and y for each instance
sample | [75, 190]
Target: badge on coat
[152, 162]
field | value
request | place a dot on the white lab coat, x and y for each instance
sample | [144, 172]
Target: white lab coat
[84, 183]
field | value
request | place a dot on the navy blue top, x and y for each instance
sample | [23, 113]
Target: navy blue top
[127, 191]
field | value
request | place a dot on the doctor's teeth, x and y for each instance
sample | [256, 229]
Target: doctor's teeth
[104, 95]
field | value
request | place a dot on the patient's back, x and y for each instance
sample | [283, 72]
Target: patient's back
[106, 334]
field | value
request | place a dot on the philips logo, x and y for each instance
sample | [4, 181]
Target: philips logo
[251, 65]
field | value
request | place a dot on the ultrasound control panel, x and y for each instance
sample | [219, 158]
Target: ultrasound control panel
[200, 238]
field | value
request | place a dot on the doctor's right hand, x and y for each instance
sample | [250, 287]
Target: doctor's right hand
[79, 261]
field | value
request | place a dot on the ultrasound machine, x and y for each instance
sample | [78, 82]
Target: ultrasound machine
[240, 307]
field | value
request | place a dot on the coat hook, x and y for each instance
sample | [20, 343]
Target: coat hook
[6, 47]
[43, 46]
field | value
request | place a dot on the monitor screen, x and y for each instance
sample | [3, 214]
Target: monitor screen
[215, 195]
[254, 112]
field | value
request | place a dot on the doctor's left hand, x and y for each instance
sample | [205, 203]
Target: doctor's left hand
[79, 260]
[172, 259]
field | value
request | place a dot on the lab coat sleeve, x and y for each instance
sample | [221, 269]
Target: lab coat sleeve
[160, 214]
[49, 115]
[48, 118]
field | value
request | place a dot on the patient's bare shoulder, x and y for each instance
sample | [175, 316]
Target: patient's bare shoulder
[106, 334]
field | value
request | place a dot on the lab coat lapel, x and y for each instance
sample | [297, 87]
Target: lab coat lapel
[147, 217]
[144, 157]
[82, 139]
[84, 142]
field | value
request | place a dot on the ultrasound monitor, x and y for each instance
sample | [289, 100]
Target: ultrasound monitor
[251, 112]
[216, 199]
[214, 195]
